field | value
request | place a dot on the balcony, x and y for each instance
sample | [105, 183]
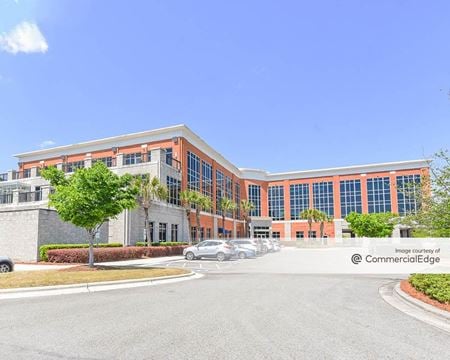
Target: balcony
[30, 196]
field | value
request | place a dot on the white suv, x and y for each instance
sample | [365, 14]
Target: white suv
[219, 249]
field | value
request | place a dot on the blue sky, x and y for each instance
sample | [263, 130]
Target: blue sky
[279, 85]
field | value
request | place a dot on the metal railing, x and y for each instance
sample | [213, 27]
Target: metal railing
[6, 198]
[30, 196]
[25, 174]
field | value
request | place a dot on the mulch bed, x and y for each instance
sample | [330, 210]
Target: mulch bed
[411, 291]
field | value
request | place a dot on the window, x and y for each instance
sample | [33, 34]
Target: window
[312, 234]
[202, 233]
[219, 190]
[27, 173]
[131, 159]
[350, 193]
[162, 232]
[173, 189]
[193, 233]
[299, 199]
[174, 232]
[193, 171]
[276, 234]
[208, 233]
[169, 156]
[299, 234]
[229, 193]
[108, 161]
[408, 188]
[237, 200]
[207, 181]
[276, 202]
[151, 232]
[379, 195]
[148, 156]
[73, 166]
[254, 195]
[323, 197]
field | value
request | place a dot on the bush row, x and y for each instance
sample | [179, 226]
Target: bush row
[436, 286]
[45, 248]
[112, 254]
[163, 243]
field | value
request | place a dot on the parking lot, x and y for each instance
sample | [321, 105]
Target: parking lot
[210, 265]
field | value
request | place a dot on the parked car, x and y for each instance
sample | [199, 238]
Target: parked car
[244, 253]
[276, 245]
[219, 249]
[268, 245]
[6, 264]
[250, 244]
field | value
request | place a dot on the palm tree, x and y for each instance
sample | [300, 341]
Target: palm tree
[312, 215]
[150, 190]
[323, 217]
[226, 205]
[188, 198]
[246, 207]
[202, 203]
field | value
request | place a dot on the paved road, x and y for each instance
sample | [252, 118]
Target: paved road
[242, 311]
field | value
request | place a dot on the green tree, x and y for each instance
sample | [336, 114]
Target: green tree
[374, 225]
[188, 200]
[322, 218]
[90, 197]
[433, 216]
[150, 190]
[246, 207]
[311, 215]
[194, 199]
[226, 205]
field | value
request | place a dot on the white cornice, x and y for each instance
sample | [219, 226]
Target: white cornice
[243, 173]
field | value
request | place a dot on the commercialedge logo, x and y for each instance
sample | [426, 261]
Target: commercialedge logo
[408, 259]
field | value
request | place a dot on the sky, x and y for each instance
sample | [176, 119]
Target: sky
[278, 85]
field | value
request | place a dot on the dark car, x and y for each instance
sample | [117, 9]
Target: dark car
[6, 264]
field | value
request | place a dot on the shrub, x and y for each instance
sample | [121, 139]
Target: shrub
[436, 286]
[80, 255]
[45, 248]
[164, 243]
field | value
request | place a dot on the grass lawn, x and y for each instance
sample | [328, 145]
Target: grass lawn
[435, 286]
[80, 274]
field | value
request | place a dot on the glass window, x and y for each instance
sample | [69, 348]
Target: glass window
[323, 197]
[207, 180]
[219, 190]
[162, 232]
[131, 159]
[73, 166]
[193, 171]
[229, 193]
[408, 188]
[299, 199]
[276, 202]
[108, 161]
[174, 189]
[379, 195]
[350, 194]
[299, 234]
[169, 156]
[254, 195]
[276, 234]
[174, 232]
[208, 233]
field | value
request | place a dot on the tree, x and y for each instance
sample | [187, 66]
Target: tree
[322, 218]
[433, 195]
[375, 225]
[311, 215]
[150, 189]
[202, 203]
[90, 197]
[226, 205]
[246, 207]
[188, 200]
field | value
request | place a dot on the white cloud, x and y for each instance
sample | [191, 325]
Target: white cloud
[46, 143]
[24, 37]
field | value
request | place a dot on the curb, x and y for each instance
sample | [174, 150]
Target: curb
[420, 304]
[394, 296]
[93, 287]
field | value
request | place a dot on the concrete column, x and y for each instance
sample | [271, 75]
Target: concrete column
[158, 155]
[45, 192]
[15, 197]
[88, 162]
[119, 160]
[11, 175]
[59, 166]
[34, 171]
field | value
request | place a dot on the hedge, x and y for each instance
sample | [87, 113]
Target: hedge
[112, 254]
[164, 243]
[45, 248]
[436, 286]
